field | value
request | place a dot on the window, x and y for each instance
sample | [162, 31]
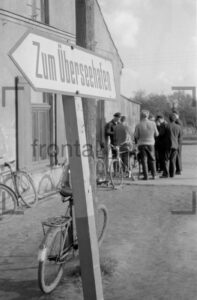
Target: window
[39, 10]
[42, 131]
[45, 11]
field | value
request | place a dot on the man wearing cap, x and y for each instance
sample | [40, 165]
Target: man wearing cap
[145, 133]
[109, 131]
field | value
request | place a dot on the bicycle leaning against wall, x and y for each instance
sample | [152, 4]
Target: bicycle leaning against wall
[17, 191]
[60, 243]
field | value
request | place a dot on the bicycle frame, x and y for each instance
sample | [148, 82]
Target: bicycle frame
[126, 168]
[69, 229]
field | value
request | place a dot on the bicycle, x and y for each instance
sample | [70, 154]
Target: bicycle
[17, 191]
[60, 243]
[118, 170]
[48, 186]
[102, 176]
[8, 202]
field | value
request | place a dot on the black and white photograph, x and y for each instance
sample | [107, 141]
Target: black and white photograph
[98, 150]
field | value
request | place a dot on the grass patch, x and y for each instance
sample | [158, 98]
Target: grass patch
[108, 266]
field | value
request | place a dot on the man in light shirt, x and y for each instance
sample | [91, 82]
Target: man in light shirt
[145, 133]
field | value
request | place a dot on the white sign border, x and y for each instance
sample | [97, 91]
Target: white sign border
[48, 36]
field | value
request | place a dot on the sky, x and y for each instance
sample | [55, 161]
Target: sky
[156, 40]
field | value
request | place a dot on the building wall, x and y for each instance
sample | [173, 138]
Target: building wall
[40, 116]
[61, 12]
[131, 110]
[62, 15]
[105, 46]
[22, 7]
[15, 20]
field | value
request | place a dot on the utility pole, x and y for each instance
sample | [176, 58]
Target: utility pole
[85, 37]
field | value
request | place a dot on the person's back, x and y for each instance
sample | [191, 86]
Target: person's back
[175, 132]
[120, 134]
[145, 132]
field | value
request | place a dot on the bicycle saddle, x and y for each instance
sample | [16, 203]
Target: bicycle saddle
[66, 192]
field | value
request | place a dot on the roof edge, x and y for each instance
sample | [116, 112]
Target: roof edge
[109, 33]
[130, 100]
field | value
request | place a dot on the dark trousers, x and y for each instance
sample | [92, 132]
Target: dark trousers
[114, 152]
[179, 159]
[160, 158]
[170, 156]
[147, 157]
[125, 159]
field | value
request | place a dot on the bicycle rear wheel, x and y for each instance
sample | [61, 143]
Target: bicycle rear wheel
[8, 202]
[116, 173]
[51, 259]
[101, 174]
[102, 220]
[26, 189]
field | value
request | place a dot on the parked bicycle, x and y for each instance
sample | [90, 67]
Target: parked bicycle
[48, 184]
[118, 170]
[60, 243]
[17, 191]
[102, 176]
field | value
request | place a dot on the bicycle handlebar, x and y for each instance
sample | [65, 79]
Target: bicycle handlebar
[8, 165]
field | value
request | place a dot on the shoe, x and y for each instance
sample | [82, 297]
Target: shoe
[163, 176]
[144, 178]
[178, 173]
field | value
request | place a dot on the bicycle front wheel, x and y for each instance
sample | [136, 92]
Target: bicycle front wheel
[26, 189]
[8, 202]
[102, 220]
[116, 173]
[53, 253]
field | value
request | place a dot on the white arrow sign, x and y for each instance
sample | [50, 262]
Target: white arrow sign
[58, 67]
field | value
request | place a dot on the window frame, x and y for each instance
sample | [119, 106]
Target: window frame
[41, 107]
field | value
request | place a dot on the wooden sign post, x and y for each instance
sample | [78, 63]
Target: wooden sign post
[83, 201]
[51, 65]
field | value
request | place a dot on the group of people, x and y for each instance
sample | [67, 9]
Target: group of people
[159, 142]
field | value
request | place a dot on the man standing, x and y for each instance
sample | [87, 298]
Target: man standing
[162, 142]
[145, 133]
[122, 138]
[109, 131]
[179, 151]
[171, 155]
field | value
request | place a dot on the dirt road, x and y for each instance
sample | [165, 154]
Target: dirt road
[151, 253]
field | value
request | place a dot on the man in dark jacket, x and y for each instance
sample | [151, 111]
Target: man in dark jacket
[179, 151]
[174, 134]
[122, 138]
[162, 141]
[109, 131]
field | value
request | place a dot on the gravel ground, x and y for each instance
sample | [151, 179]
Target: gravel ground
[148, 253]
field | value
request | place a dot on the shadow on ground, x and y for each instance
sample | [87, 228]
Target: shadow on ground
[21, 290]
